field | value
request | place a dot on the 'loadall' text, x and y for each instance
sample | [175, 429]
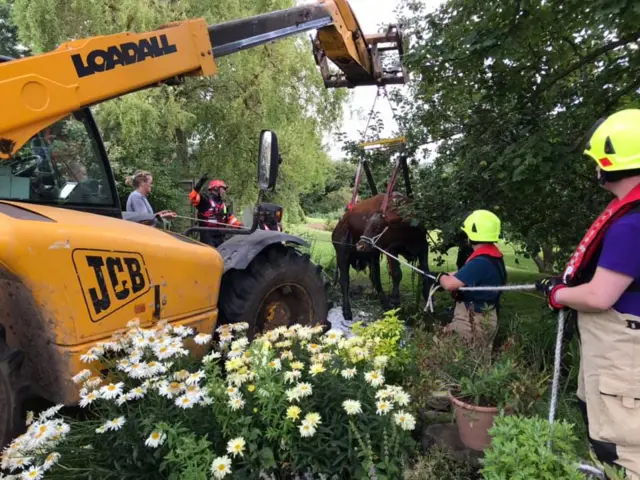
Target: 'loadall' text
[124, 54]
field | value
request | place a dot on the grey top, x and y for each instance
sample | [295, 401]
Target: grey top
[138, 203]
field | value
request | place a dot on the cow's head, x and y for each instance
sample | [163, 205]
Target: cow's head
[375, 226]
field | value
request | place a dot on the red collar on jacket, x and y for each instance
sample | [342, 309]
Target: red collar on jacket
[489, 249]
[592, 239]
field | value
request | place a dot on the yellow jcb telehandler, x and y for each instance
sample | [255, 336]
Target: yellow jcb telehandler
[72, 270]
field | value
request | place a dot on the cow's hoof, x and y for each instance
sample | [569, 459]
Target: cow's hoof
[395, 301]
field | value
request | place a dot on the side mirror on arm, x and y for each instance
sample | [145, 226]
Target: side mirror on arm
[268, 160]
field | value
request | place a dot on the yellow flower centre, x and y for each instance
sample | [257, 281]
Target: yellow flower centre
[185, 401]
[155, 435]
[111, 388]
[222, 467]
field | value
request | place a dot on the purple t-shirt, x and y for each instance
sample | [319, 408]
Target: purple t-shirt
[621, 253]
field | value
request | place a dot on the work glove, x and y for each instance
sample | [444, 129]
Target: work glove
[438, 276]
[201, 182]
[549, 286]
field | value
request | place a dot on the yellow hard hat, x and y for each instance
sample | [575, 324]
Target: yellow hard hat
[482, 226]
[615, 141]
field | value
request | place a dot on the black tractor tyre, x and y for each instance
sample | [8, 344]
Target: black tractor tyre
[280, 287]
[11, 404]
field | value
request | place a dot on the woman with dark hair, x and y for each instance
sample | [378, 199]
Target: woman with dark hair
[137, 202]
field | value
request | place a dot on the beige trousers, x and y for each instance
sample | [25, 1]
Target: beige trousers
[609, 382]
[474, 326]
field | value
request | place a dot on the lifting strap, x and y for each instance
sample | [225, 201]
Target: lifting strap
[362, 163]
[401, 163]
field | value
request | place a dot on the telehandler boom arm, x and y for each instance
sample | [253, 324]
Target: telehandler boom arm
[40, 90]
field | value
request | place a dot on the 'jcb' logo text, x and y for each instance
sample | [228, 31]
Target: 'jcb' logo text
[110, 280]
[124, 54]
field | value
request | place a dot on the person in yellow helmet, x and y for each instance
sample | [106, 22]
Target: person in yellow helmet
[601, 283]
[475, 316]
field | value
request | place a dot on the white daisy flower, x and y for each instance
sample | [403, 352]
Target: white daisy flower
[332, 337]
[194, 392]
[134, 323]
[183, 331]
[292, 376]
[30, 418]
[276, 364]
[233, 364]
[211, 357]
[137, 393]
[181, 376]
[383, 407]
[297, 365]
[240, 327]
[316, 368]
[115, 424]
[113, 390]
[313, 418]
[236, 446]
[236, 403]
[405, 420]
[51, 460]
[195, 378]
[348, 373]
[202, 338]
[352, 407]
[34, 473]
[184, 401]
[293, 394]
[81, 376]
[88, 358]
[306, 429]
[169, 389]
[293, 412]
[221, 467]
[305, 389]
[93, 382]
[50, 412]
[402, 398]
[375, 378]
[156, 439]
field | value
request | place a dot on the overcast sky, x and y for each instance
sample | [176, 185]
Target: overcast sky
[371, 14]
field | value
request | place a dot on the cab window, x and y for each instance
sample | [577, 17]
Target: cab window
[58, 166]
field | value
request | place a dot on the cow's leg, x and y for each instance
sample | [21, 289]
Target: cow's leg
[396, 278]
[374, 274]
[423, 264]
[342, 261]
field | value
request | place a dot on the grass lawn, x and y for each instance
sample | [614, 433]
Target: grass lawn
[522, 313]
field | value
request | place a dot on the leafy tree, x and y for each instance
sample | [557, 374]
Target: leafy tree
[208, 124]
[506, 91]
[9, 45]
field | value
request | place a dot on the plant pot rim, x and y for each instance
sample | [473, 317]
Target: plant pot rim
[459, 403]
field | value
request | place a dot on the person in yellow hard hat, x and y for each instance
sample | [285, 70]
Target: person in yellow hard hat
[602, 284]
[475, 316]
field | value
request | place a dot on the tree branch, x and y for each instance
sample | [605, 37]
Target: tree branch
[634, 37]
[573, 46]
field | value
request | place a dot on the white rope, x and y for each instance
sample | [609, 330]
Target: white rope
[555, 384]
[212, 223]
[583, 467]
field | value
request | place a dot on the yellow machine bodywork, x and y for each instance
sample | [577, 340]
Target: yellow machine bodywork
[80, 277]
[69, 278]
[39, 91]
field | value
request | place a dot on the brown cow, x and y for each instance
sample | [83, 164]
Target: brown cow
[400, 238]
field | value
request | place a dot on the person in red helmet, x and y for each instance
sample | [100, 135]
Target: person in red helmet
[212, 211]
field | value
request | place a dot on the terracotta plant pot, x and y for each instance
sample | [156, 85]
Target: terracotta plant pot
[473, 423]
